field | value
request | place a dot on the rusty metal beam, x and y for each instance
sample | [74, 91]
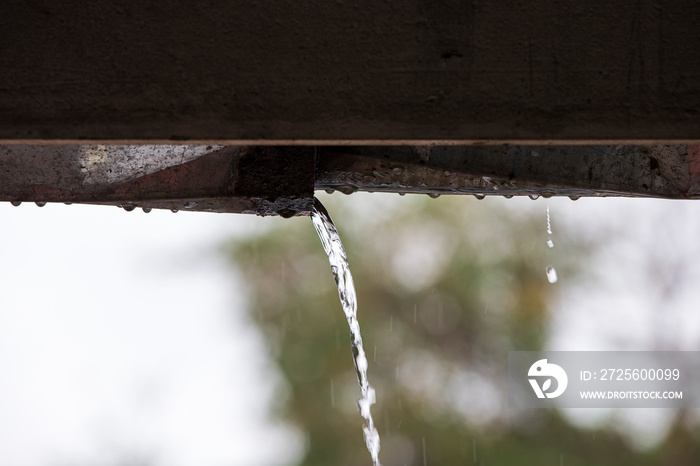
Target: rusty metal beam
[259, 180]
[640, 171]
[267, 180]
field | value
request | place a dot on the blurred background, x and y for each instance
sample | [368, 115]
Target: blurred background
[205, 339]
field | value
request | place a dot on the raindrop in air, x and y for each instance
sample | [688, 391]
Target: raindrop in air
[550, 243]
[552, 274]
[479, 196]
[16, 203]
[40, 204]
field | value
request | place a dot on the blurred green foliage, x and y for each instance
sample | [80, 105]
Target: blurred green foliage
[445, 288]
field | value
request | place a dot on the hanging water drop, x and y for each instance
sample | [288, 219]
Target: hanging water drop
[534, 197]
[508, 196]
[402, 194]
[129, 207]
[174, 211]
[551, 274]
[146, 209]
[434, 195]
[16, 203]
[480, 196]
[40, 204]
[574, 198]
[330, 191]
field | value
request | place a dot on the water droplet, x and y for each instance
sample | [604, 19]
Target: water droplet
[402, 194]
[534, 197]
[40, 204]
[550, 243]
[146, 209]
[128, 207]
[16, 203]
[332, 395]
[574, 198]
[330, 191]
[508, 196]
[68, 203]
[174, 211]
[551, 274]
[347, 189]
[433, 195]
[480, 196]
[547, 195]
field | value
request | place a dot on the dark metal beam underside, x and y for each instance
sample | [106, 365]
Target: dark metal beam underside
[267, 180]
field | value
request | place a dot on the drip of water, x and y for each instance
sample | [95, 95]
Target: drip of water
[348, 299]
[550, 270]
[550, 243]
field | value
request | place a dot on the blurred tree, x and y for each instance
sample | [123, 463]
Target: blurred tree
[445, 289]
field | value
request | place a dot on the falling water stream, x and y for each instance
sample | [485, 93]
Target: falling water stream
[348, 299]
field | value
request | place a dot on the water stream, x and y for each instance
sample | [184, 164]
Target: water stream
[348, 299]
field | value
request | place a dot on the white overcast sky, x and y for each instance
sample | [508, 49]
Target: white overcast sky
[123, 336]
[122, 339]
